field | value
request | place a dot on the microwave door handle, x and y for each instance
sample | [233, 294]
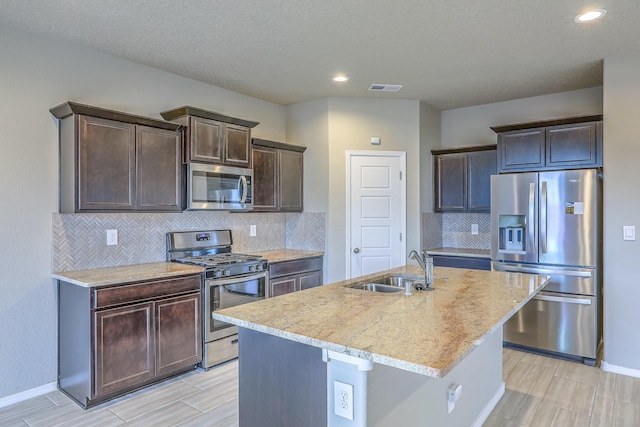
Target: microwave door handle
[243, 184]
[543, 217]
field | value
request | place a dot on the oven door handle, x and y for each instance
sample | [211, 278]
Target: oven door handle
[230, 280]
[241, 293]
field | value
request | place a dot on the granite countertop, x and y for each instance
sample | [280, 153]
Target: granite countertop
[280, 255]
[127, 273]
[428, 333]
[466, 252]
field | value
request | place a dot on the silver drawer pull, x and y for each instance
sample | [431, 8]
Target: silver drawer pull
[582, 301]
[234, 341]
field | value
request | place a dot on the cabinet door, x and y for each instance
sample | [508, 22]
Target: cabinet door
[450, 182]
[265, 184]
[237, 151]
[572, 145]
[290, 168]
[159, 170]
[480, 166]
[124, 347]
[206, 140]
[106, 165]
[178, 331]
[521, 150]
[310, 280]
[282, 286]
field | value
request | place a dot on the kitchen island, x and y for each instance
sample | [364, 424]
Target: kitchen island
[397, 355]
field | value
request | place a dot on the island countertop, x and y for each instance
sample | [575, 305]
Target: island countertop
[428, 332]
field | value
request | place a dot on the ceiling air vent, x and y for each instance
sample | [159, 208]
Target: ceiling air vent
[384, 88]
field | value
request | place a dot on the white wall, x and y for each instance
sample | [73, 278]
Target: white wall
[621, 144]
[352, 123]
[308, 125]
[37, 74]
[331, 126]
[430, 138]
[469, 126]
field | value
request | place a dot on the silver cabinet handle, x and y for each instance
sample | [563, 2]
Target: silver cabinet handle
[582, 301]
[356, 250]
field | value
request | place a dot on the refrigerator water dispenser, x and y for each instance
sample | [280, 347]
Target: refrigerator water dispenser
[512, 233]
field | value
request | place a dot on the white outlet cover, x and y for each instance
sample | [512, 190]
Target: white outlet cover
[474, 228]
[343, 399]
[112, 237]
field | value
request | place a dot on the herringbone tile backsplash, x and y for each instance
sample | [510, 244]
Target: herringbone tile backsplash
[456, 230]
[79, 240]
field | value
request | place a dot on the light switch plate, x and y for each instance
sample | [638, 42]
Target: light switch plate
[474, 228]
[629, 232]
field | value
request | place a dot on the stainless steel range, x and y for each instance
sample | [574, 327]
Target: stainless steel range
[230, 279]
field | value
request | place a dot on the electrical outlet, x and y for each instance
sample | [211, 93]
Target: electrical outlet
[112, 237]
[343, 399]
[252, 231]
[474, 228]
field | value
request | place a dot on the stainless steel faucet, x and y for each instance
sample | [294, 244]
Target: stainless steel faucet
[426, 263]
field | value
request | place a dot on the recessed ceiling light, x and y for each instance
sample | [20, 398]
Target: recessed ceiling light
[590, 15]
[340, 78]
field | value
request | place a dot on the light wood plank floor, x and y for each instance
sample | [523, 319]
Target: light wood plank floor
[540, 391]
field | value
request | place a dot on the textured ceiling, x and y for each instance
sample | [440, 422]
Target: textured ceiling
[448, 53]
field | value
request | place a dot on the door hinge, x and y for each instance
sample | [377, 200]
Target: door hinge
[400, 175]
[401, 237]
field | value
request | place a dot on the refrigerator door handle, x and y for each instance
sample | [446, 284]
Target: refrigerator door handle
[568, 300]
[543, 217]
[546, 271]
[532, 219]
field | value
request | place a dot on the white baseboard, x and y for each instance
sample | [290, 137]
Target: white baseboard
[620, 370]
[27, 394]
[489, 407]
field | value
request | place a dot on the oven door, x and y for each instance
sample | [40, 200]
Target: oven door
[229, 292]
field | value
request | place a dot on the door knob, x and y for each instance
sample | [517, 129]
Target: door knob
[356, 250]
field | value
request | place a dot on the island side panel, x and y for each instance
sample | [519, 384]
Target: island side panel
[282, 383]
[401, 398]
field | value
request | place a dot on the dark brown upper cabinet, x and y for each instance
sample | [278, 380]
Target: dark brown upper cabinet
[116, 162]
[462, 178]
[214, 138]
[277, 176]
[571, 143]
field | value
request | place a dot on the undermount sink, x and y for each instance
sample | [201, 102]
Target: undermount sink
[377, 287]
[390, 284]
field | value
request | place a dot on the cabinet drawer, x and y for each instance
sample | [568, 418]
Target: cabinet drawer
[294, 267]
[121, 294]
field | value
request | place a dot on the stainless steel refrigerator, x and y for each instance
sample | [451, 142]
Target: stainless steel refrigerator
[551, 223]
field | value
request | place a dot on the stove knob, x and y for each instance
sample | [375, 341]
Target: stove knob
[259, 267]
[218, 273]
[227, 273]
[252, 268]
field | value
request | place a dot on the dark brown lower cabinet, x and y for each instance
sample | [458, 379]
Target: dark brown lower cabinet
[296, 275]
[115, 339]
[124, 347]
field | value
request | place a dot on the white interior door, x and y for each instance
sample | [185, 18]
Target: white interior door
[376, 211]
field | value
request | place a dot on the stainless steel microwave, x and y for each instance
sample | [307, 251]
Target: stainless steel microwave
[214, 187]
